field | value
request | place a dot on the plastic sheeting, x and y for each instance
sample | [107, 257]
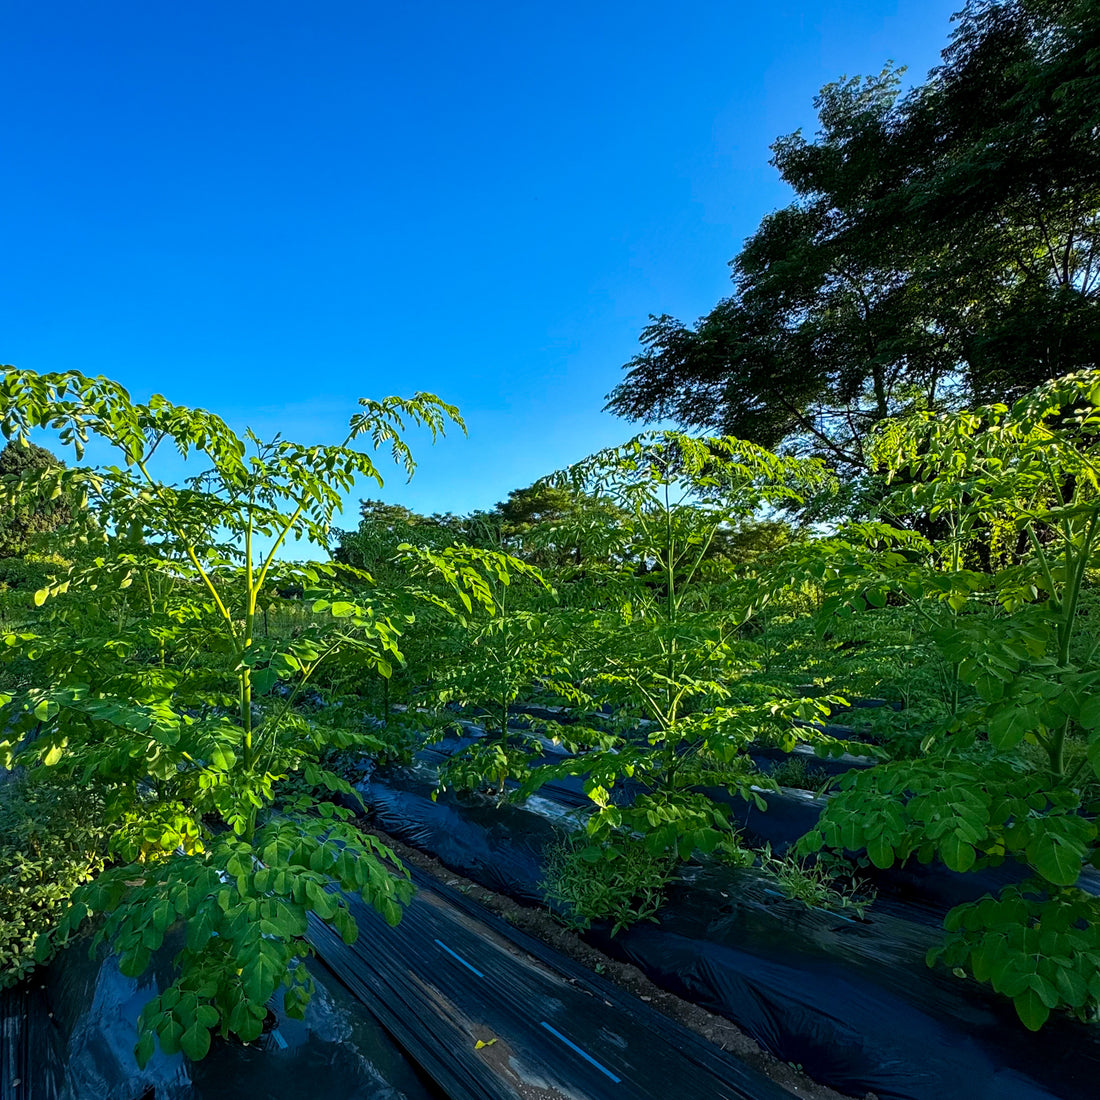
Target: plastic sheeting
[851, 1001]
[31, 1061]
[826, 766]
[69, 1033]
[451, 976]
[499, 846]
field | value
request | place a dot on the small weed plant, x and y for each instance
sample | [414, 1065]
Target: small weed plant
[815, 883]
[621, 882]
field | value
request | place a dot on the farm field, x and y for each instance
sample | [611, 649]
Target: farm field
[810, 765]
[748, 748]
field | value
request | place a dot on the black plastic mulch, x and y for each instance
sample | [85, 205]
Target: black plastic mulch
[851, 1001]
[451, 975]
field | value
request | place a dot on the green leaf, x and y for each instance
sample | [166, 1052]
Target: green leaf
[1073, 987]
[199, 927]
[1093, 751]
[1089, 715]
[322, 902]
[144, 1049]
[345, 925]
[43, 947]
[170, 1032]
[956, 853]
[259, 977]
[223, 759]
[134, 963]
[1056, 859]
[195, 1042]
[1030, 1008]
[263, 680]
[45, 710]
[162, 916]
[880, 852]
[1010, 723]
[1046, 989]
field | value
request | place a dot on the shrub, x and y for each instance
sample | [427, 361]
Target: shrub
[51, 840]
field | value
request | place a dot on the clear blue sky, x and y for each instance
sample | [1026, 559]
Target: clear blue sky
[271, 209]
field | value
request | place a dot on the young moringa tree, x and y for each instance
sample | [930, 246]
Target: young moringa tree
[155, 688]
[1013, 770]
[657, 639]
[490, 657]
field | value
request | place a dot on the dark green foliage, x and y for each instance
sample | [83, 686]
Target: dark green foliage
[43, 510]
[620, 881]
[1039, 946]
[26, 575]
[52, 838]
[941, 248]
[382, 529]
[556, 526]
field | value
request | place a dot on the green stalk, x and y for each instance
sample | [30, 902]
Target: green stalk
[670, 598]
[244, 671]
[1070, 601]
[152, 612]
[955, 665]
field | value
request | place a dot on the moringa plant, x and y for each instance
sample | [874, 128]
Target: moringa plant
[1014, 769]
[656, 642]
[152, 686]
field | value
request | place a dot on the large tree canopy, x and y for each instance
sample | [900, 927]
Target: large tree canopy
[941, 249]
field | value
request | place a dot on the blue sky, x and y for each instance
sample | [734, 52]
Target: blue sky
[271, 209]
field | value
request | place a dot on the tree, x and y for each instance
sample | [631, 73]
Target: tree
[1012, 770]
[556, 526]
[153, 687]
[940, 248]
[656, 639]
[20, 526]
[1005, 161]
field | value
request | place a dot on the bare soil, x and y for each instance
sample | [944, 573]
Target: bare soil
[543, 926]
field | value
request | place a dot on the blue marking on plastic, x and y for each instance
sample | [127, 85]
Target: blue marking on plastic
[280, 1042]
[832, 913]
[456, 955]
[584, 1054]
